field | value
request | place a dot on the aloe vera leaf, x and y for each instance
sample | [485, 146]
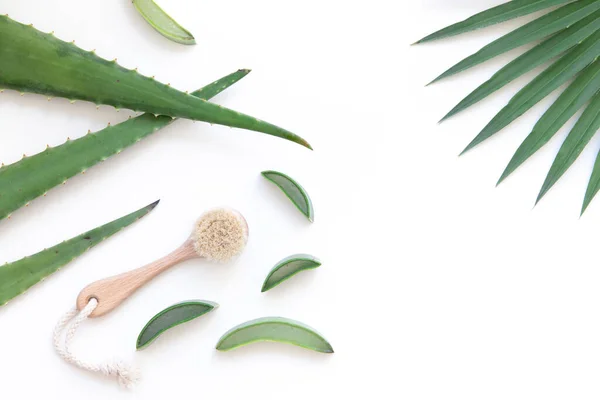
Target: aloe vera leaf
[545, 83]
[17, 277]
[274, 329]
[581, 134]
[37, 62]
[162, 22]
[540, 54]
[289, 267]
[572, 99]
[170, 317]
[503, 12]
[542, 27]
[293, 191]
[33, 176]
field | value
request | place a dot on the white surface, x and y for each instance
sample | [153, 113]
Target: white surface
[435, 284]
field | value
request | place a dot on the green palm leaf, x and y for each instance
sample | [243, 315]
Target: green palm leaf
[545, 83]
[531, 59]
[572, 99]
[542, 27]
[578, 138]
[593, 185]
[571, 33]
[501, 13]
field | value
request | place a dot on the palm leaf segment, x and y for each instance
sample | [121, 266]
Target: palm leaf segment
[569, 34]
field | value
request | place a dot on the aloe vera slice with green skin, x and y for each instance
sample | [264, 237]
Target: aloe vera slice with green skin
[289, 267]
[540, 54]
[162, 22]
[293, 191]
[274, 329]
[570, 101]
[542, 27]
[17, 277]
[33, 176]
[581, 134]
[170, 317]
[568, 66]
[503, 12]
[37, 62]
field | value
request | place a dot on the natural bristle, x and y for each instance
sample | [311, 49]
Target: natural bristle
[220, 234]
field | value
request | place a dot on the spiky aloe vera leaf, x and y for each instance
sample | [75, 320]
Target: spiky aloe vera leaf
[568, 66]
[540, 54]
[581, 134]
[33, 176]
[542, 27]
[37, 62]
[572, 99]
[162, 22]
[19, 276]
[503, 12]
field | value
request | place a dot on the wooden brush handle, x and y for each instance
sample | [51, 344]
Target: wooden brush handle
[111, 292]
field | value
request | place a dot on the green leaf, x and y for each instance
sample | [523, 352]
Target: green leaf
[583, 131]
[37, 62]
[162, 22]
[531, 59]
[293, 191]
[33, 176]
[289, 267]
[504, 12]
[545, 83]
[171, 317]
[274, 329]
[19, 276]
[572, 99]
[593, 185]
[540, 28]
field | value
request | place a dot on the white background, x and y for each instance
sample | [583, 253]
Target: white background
[434, 284]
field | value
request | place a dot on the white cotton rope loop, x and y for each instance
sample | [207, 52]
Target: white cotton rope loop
[69, 323]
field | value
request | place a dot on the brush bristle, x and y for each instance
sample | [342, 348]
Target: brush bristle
[220, 234]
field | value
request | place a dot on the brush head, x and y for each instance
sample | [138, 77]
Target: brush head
[220, 234]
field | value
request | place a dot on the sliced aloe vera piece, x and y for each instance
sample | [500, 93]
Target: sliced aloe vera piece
[170, 317]
[293, 191]
[19, 276]
[162, 22]
[274, 329]
[289, 267]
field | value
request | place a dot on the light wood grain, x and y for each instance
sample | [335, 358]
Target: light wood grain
[111, 292]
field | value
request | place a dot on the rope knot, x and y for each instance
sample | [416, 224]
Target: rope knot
[125, 373]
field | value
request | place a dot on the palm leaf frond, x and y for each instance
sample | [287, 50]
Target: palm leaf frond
[545, 83]
[572, 99]
[539, 55]
[578, 138]
[593, 185]
[540, 28]
[504, 12]
[570, 35]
